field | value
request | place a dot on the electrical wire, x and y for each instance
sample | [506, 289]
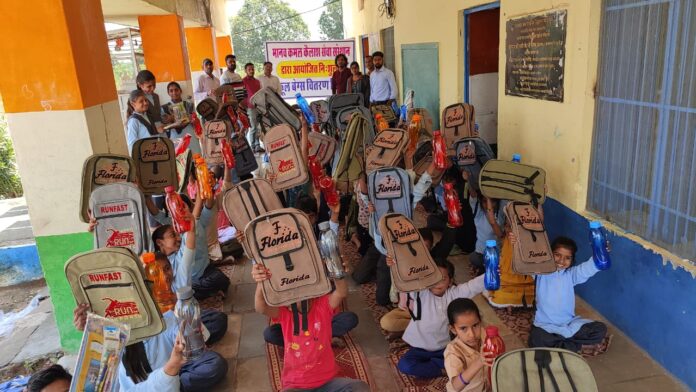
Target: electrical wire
[286, 18]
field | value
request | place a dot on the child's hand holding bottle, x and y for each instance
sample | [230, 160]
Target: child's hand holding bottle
[176, 359]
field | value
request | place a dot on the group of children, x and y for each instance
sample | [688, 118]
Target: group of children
[442, 325]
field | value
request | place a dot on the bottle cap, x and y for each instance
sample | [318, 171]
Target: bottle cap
[595, 224]
[169, 189]
[147, 257]
[416, 117]
[196, 156]
[298, 95]
[323, 226]
[436, 132]
[491, 243]
[378, 116]
[183, 293]
[448, 185]
[516, 157]
[491, 330]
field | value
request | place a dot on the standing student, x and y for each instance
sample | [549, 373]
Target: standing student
[269, 80]
[359, 83]
[252, 85]
[341, 75]
[206, 83]
[139, 125]
[145, 80]
[174, 92]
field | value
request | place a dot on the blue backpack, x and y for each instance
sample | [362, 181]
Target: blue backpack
[389, 189]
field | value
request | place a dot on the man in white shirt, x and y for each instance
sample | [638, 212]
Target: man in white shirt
[268, 80]
[207, 83]
[382, 81]
[229, 76]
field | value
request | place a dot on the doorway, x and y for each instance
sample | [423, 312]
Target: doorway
[481, 43]
[421, 73]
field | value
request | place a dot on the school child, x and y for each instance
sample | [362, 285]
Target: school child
[53, 378]
[145, 80]
[555, 321]
[427, 332]
[186, 108]
[465, 363]
[361, 235]
[489, 221]
[139, 125]
[308, 360]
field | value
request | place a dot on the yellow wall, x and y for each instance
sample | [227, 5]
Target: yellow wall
[200, 42]
[224, 47]
[531, 127]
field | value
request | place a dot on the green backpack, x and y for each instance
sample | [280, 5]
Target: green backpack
[351, 160]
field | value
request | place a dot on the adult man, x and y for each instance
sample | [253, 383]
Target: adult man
[369, 65]
[207, 83]
[340, 77]
[252, 85]
[268, 80]
[382, 81]
[229, 76]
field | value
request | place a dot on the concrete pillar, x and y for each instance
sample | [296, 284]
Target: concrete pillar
[224, 47]
[59, 94]
[200, 42]
[164, 46]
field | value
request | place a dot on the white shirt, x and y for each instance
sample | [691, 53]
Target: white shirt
[382, 85]
[270, 81]
[430, 332]
[230, 77]
[204, 84]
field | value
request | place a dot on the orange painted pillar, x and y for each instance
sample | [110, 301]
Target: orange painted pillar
[224, 47]
[59, 95]
[201, 44]
[164, 46]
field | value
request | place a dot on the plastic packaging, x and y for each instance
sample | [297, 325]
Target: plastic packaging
[304, 106]
[204, 179]
[403, 116]
[439, 151]
[178, 210]
[381, 123]
[493, 344]
[454, 209]
[197, 127]
[328, 188]
[227, 153]
[316, 170]
[328, 245]
[395, 107]
[491, 260]
[414, 132]
[517, 158]
[161, 287]
[244, 119]
[183, 144]
[225, 97]
[188, 315]
[600, 250]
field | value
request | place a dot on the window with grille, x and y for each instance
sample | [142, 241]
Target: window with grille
[643, 172]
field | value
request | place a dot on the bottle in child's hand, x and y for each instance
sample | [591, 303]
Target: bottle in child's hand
[188, 315]
[328, 245]
[161, 289]
[439, 151]
[197, 127]
[454, 209]
[414, 132]
[381, 123]
[316, 170]
[227, 154]
[491, 261]
[304, 106]
[328, 188]
[183, 144]
[205, 181]
[600, 251]
[493, 345]
[177, 210]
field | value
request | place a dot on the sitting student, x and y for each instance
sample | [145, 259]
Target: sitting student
[464, 361]
[555, 322]
[427, 332]
[52, 379]
[186, 109]
[308, 360]
[341, 322]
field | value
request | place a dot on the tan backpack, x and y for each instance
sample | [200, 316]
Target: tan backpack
[155, 163]
[531, 253]
[283, 241]
[248, 200]
[386, 150]
[285, 157]
[322, 146]
[507, 180]
[457, 122]
[112, 282]
[214, 131]
[414, 269]
[207, 108]
[102, 169]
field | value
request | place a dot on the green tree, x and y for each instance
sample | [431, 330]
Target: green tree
[264, 20]
[10, 186]
[331, 20]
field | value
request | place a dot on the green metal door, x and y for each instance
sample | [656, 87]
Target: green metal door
[421, 70]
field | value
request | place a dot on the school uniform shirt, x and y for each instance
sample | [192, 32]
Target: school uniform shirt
[204, 84]
[458, 357]
[158, 350]
[484, 231]
[555, 299]
[201, 259]
[270, 81]
[230, 77]
[382, 85]
[308, 359]
[182, 263]
[431, 332]
[135, 130]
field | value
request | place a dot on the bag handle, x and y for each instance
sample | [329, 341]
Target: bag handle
[296, 317]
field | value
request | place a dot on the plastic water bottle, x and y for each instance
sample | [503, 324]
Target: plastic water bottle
[439, 151]
[404, 114]
[183, 144]
[188, 315]
[328, 189]
[454, 209]
[414, 132]
[304, 106]
[161, 288]
[329, 251]
[395, 107]
[227, 154]
[600, 252]
[178, 210]
[491, 261]
[203, 177]
[493, 344]
[316, 170]
[381, 123]
[197, 127]
[516, 158]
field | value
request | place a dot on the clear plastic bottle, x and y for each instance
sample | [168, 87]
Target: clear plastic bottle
[600, 251]
[439, 150]
[177, 210]
[161, 289]
[304, 106]
[491, 261]
[188, 316]
[328, 244]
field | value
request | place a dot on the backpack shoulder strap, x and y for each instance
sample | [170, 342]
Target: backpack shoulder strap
[150, 128]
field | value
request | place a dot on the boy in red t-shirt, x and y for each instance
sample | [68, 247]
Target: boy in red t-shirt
[308, 360]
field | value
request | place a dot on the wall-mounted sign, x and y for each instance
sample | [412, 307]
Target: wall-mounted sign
[535, 56]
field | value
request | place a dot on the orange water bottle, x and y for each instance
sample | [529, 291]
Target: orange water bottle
[439, 151]
[381, 122]
[178, 210]
[161, 286]
[414, 132]
[205, 181]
